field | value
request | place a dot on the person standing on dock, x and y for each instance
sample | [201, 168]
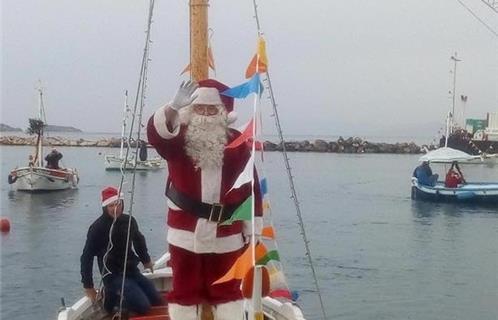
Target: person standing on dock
[192, 133]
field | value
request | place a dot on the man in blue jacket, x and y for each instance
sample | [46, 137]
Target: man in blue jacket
[424, 175]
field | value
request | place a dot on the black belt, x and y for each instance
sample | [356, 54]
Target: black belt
[215, 212]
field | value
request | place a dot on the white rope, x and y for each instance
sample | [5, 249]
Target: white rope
[139, 104]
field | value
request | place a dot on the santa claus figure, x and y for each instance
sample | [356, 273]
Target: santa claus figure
[192, 133]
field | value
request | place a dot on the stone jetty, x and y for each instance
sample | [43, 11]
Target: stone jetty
[341, 145]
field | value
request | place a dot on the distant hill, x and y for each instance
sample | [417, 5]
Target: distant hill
[50, 128]
[54, 128]
[6, 128]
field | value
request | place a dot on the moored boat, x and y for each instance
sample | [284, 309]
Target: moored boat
[36, 177]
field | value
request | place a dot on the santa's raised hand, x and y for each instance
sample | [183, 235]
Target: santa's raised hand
[185, 95]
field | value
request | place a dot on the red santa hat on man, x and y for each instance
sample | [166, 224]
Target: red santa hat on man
[209, 92]
[109, 195]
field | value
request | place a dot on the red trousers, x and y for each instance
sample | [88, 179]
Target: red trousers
[194, 274]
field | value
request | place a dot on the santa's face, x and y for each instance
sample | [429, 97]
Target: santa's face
[206, 135]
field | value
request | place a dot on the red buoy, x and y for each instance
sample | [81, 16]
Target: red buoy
[4, 225]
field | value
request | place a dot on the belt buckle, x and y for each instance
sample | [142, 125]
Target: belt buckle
[217, 210]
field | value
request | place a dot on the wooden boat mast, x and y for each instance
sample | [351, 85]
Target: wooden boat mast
[199, 67]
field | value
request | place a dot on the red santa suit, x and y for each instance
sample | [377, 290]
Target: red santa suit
[202, 251]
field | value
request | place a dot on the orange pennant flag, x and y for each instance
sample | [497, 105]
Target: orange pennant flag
[245, 136]
[187, 69]
[268, 232]
[254, 65]
[243, 264]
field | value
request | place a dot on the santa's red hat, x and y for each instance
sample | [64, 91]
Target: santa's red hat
[109, 195]
[206, 96]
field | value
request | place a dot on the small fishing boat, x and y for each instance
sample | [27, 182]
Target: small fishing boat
[128, 161]
[467, 192]
[34, 176]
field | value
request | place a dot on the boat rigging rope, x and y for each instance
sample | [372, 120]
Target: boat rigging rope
[139, 104]
[289, 171]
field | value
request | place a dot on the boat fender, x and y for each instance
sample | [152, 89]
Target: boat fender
[12, 178]
[4, 225]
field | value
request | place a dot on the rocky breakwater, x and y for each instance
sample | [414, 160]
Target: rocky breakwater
[58, 141]
[349, 145]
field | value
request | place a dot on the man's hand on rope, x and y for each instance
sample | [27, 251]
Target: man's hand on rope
[149, 265]
[91, 293]
[185, 95]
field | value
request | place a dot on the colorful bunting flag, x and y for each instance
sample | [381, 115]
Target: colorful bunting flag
[271, 255]
[243, 212]
[259, 62]
[268, 232]
[254, 85]
[243, 263]
[246, 176]
[263, 186]
[246, 135]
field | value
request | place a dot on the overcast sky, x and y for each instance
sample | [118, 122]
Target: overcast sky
[338, 67]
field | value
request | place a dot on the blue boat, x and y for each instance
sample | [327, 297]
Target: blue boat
[470, 192]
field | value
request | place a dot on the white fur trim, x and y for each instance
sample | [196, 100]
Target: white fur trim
[179, 312]
[258, 225]
[233, 310]
[211, 184]
[110, 200]
[160, 124]
[231, 117]
[196, 241]
[209, 96]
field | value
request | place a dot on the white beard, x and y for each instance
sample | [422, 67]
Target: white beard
[205, 139]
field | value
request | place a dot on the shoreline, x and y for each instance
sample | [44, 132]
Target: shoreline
[341, 145]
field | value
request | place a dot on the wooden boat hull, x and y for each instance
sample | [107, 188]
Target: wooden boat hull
[116, 163]
[469, 193]
[43, 179]
[274, 309]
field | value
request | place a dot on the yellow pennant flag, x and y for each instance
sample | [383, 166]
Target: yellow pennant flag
[243, 263]
[259, 62]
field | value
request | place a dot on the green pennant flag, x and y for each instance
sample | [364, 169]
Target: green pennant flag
[243, 212]
[271, 255]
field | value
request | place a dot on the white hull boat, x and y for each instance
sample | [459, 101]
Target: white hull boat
[274, 308]
[113, 162]
[43, 179]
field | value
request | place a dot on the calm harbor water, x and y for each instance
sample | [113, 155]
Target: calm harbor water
[378, 255]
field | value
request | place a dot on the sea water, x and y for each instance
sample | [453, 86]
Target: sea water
[377, 254]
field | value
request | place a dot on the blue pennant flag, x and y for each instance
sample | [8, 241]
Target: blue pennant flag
[264, 186]
[243, 90]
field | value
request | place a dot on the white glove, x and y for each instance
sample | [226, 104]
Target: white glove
[184, 96]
